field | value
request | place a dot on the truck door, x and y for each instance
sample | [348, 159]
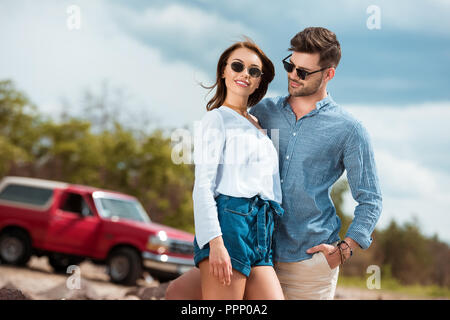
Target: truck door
[73, 227]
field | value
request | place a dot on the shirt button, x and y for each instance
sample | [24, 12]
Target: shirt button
[281, 180]
[294, 134]
[287, 157]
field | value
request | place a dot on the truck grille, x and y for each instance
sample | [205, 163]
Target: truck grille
[183, 247]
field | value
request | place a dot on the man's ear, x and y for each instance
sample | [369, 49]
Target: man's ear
[330, 73]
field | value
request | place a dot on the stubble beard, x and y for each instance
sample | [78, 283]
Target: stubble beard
[308, 90]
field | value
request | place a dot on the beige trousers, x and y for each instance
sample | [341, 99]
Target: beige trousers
[311, 279]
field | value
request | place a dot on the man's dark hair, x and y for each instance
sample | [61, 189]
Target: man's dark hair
[318, 40]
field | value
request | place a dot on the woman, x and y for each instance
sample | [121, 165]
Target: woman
[237, 191]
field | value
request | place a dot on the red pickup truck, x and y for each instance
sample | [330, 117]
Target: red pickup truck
[70, 223]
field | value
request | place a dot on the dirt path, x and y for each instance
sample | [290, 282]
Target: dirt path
[37, 281]
[349, 293]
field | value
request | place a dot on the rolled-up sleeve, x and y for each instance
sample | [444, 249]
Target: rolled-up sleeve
[209, 141]
[363, 180]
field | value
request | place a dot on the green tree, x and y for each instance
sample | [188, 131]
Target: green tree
[18, 127]
[405, 250]
[68, 151]
[169, 197]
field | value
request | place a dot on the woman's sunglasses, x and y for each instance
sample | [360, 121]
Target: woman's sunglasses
[302, 74]
[254, 72]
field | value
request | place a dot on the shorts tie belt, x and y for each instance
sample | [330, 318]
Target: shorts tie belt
[267, 210]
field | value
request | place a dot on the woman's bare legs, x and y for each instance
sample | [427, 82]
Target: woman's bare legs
[186, 287]
[213, 289]
[263, 284]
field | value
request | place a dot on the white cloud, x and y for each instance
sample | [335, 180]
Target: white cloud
[418, 132]
[405, 178]
[403, 15]
[48, 62]
[181, 20]
[409, 15]
[183, 32]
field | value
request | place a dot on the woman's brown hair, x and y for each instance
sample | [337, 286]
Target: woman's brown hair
[221, 90]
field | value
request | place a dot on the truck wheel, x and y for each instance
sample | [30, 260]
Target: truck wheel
[15, 248]
[124, 266]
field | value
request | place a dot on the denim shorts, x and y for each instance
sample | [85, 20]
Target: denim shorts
[247, 226]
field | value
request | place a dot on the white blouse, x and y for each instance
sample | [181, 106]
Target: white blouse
[234, 158]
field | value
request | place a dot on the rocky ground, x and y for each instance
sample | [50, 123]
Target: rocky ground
[38, 282]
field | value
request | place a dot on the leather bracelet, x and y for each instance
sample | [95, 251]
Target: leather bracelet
[341, 255]
[343, 259]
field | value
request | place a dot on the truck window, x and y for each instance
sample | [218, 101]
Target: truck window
[26, 194]
[75, 203]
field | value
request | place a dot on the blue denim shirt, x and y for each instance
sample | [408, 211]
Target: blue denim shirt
[313, 153]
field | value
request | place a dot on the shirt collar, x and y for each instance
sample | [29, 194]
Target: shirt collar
[319, 104]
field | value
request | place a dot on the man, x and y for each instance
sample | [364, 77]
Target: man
[318, 141]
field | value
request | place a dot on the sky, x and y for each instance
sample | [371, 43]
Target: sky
[393, 75]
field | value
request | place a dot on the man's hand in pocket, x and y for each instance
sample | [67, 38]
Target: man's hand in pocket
[330, 252]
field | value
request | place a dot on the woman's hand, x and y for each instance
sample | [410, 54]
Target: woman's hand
[219, 261]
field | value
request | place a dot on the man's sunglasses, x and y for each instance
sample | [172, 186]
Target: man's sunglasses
[302, 74]
[254, 72]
